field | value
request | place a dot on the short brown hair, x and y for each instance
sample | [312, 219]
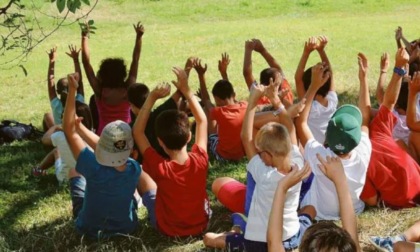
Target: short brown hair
[326, 236]
[274, 138]
[173, 128]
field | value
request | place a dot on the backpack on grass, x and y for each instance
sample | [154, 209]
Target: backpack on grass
[11, 130]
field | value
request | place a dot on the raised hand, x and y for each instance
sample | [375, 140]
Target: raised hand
[201, 70]
[415, 83]
[139, 29]
[256, 92]
[182, 80]
[52, 54]
[401, 57]
[384, 63]
[398, 33]
[332, 168]
[74, 53]
[320, 75]
[295, 176]
[272, 90]
[258, 45]
[73, 80]
[323, 41]
[295, 109]
[249, 45]
[363, 65]
[310, 45]
[160, 91]
[189, 63]
[224, 63]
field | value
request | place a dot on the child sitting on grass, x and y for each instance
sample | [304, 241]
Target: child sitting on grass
[224, 119]
[267, 73]
[322, 236]
[137, 95]
[176, 198]
[346, 137]
[110, 84]
[272, 154]
[103, 198]
[325, 101]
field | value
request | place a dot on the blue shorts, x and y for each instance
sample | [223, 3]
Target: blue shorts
[213, 141]
[77, 192]
[292, 243]
[149, 201]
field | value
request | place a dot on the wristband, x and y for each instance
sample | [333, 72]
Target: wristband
[278, 111]
[400, 71]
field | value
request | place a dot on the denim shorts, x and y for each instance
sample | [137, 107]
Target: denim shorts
[77, 192]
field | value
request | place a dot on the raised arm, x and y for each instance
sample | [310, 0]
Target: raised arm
[204, 94]
[69, 118]
[271, 61]
[160, 91]
[90, 74]
[323, 41]
[393, 89]
[333, 170]
[320, 75]
[223, 65]
[280, 114]
[364, 98]
[247, 68]
[400, 36]
[132, 75]
[74, 54]
[52, 56]
[198, 113]
[310, 45]
[384, 65]
[414, 89]
[275, 222]
[248, 123]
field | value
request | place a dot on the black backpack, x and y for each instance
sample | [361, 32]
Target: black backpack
[11, 130]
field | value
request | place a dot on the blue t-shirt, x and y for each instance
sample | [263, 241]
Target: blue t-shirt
[109, 207]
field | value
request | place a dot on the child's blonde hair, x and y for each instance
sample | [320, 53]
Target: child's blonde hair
[274, 138]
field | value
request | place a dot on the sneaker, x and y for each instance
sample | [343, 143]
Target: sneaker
[38, 172]
[239, 220]
[382, 243]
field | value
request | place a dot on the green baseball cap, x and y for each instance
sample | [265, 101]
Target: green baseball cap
[344, 129]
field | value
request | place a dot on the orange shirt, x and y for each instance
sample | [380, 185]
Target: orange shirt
[289, 96]
[229, 124]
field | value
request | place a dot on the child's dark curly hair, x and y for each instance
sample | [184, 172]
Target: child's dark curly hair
[112, 73]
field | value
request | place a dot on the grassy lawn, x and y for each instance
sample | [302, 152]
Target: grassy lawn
[35, 214]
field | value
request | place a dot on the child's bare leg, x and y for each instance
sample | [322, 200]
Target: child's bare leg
[73, 173]
[412, 234]
[414, 145]
[373, 201]
[215, 240]
[48, 160]
[212, 125]
[48, 121]
[402, 246]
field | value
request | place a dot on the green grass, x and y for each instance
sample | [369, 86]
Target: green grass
[35, 214]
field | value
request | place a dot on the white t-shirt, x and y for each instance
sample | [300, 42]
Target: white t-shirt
[319, 116]
[266, 180]
[323, 194]
[67, 160]
[401, 130]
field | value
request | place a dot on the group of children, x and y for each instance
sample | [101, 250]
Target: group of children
[308, 159]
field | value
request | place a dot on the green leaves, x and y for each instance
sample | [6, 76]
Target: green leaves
[88, 27]
[72, 5]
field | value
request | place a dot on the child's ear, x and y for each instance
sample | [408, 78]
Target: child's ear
[161, 143]
[189, 137]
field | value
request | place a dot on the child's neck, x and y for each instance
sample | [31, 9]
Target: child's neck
[283, 166]
[178, 156]
[322, 100]
[121, 168]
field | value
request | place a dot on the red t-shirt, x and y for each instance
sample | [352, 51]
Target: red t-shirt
[289, 96]
[392, 172]
[181, 198]
[229, 124]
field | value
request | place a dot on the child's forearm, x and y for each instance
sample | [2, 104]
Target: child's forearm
[380, 87]
[271, 61]
[364, 101]
[50, 81]
[275, 222]
[135, 60]
[300, 89]
[247, 68]
[347, 214]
